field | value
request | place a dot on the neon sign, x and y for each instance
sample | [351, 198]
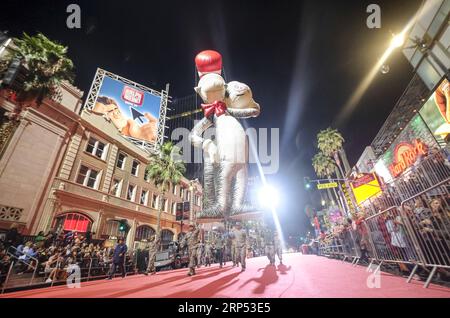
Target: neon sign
[405, 155]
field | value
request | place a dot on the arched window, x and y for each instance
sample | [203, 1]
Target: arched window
[73, 221]
[112, 228]
[144, 232]
[166, 238]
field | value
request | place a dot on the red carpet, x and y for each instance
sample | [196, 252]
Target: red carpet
[302, 276]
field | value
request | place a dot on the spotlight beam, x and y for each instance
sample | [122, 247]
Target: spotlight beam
[396, 42]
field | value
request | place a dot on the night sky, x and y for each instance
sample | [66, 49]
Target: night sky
[302, 59]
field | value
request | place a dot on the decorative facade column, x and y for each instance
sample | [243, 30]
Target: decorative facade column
[131, 235]
[71, 154]
[110, 168]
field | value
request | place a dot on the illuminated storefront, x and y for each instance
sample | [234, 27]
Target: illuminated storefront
[412, 145]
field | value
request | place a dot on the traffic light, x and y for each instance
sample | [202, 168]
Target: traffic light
[123, 226]
[307, 182]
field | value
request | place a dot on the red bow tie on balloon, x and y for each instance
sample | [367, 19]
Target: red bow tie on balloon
[218, 107]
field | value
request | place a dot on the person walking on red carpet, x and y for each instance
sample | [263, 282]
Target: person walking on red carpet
[153, 249]
[219, 246]
[278, 247]
[192, 239]
[240, 237]
[118, 259]
[269, 247]
[208, 253]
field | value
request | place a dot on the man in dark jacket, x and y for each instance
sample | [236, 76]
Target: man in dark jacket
[12, 236]
[118, 259]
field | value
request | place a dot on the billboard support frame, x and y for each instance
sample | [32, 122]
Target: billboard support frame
[91, 99]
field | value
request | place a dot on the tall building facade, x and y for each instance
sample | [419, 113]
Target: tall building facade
[64, 169]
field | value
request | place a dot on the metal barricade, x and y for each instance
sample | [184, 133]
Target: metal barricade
[428, 214]
[390, 239]
[351, 246]
[89, 268]
[422, 176]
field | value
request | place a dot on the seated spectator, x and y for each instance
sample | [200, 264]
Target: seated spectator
[40, 239]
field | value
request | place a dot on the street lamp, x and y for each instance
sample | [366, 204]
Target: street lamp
[191, 208]
[398, 40]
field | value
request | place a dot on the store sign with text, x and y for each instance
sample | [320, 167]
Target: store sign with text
[365, 186]
[405, 155]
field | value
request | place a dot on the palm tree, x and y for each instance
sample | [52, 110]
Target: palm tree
[324, 167]
[330, 142]
[165, 168]
[46, 63]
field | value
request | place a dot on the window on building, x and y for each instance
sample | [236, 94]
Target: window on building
[146, 175]
[73, 222]
[121, 158]
[88, 177]
[96, 148]
[116, 187]
[174, 189]
[182, 191]
[164, 205]
[144, 232]
[131, 193]
[154, 201]
[144, 197]
[112, 228]
[166, 238]
[135, 168]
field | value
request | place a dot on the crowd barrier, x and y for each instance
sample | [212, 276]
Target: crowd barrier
[408, 225]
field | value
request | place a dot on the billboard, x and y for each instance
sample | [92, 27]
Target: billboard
[436, 112]
[365, 186]
[136, 111]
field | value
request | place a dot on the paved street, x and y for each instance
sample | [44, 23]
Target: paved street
[302, 276]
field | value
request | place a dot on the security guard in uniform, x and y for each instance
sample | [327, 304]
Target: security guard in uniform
[269, 247]
[240, 238]
[191, 239]
[278, 248]
[155, 241]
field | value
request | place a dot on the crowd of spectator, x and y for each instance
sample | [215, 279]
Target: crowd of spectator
[52, 256]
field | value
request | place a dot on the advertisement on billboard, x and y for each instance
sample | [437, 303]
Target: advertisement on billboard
[436, 112]
[133, 109]
[412, 144]
[365, 186]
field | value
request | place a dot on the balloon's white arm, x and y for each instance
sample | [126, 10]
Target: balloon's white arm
[196, 134]
[245, 112]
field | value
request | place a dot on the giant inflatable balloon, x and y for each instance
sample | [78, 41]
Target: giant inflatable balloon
[225, 157]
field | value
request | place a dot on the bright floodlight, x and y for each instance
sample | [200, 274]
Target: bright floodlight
[398, 40]
[268, 197]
